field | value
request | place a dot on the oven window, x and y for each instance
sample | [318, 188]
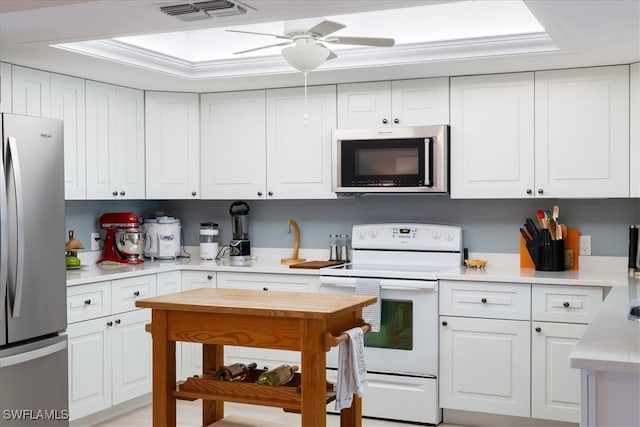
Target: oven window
[396, 326]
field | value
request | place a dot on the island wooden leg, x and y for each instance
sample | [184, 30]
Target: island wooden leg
[313, 374]
[164, 371]
[352, 417]
[212, 359]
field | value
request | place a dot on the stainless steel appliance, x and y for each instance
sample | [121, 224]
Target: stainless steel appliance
[401, 261]
[124, 239]
[33, 316]
[208, 240]
[240, 246]
[398, 159]
[162, 237]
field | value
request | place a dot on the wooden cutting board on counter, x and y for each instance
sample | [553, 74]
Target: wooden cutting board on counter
[572, 242]
[316, 264]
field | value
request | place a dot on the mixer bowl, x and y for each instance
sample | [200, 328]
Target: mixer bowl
[130, 244]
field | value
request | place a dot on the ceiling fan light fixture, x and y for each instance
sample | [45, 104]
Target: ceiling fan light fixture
[305, 57]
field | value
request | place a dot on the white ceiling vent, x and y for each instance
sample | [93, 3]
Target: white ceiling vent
[195, 11]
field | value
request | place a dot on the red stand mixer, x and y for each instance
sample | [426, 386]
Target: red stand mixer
[124, 241]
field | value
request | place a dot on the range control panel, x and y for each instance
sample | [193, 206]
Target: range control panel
[410, 236]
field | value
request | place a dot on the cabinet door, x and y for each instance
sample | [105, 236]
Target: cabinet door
[233, 148]
[191, 356]
[485, 365]
[129, 144]
[31, 92]
[172, 145]
[5, 87]
[68, 104]
[168, 283]
[364, 105]
[100, 139]
[582, 132]
[131, 355]
[555, 387]
[492, 139]
[420, 102]
[299, 149]
[634, 151]
[125, 292]
[89, 367]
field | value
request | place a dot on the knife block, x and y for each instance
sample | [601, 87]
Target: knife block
[571, 251]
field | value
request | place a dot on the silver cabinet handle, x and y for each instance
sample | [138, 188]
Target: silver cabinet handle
[4, 239]
[529, 191]
[122, 193]
[540, 191]
[17, 176]
[115, 193]
[193, 193]
[396, 121]
[385, 121]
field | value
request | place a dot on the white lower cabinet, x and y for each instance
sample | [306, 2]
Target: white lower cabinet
[484, 365]
[109, 355]
[504, 348]
[555, 387]
[191, 354]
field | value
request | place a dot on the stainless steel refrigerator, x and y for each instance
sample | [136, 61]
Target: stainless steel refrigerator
[33, 317]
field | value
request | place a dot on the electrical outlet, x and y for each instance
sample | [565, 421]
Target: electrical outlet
[585, 245]
[95, 241]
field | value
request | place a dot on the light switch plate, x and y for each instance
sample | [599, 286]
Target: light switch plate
[95, 241]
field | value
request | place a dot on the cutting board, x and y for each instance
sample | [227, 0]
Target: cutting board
[316, 264]
[572, 243]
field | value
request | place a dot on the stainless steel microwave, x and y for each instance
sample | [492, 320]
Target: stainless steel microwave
[398, 159]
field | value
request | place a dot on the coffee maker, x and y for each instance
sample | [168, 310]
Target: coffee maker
[240, 248]
[124, 240]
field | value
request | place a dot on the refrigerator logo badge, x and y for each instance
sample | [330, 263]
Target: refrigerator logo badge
[45, 135]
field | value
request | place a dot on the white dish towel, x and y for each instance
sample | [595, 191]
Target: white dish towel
[371, 313]
[352, 371]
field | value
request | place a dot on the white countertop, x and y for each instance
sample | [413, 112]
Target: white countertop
[611, 342]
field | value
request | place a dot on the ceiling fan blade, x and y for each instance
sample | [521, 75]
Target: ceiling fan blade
[280, 36]
[262, 47]
[325, 28]
[332, 55]
[362, 41]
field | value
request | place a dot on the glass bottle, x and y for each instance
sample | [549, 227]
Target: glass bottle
[278, 376]
[234, 372]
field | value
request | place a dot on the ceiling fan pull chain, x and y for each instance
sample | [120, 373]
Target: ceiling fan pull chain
[306, 114]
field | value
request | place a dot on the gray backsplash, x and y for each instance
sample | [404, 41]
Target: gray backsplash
[489, 225]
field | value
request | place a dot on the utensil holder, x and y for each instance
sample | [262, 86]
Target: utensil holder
[550, 256]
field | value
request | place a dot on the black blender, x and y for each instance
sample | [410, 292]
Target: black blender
[240, 249]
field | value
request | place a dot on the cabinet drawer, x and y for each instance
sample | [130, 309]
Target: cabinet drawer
[125, 292]
[88, 301]
[486, 299]
[269, 282]
[568, 304]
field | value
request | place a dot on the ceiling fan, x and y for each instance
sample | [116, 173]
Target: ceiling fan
[305, 41]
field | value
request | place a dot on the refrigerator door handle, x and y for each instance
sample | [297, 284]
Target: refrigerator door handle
[17, 179]
[4, 239]
[19, 358]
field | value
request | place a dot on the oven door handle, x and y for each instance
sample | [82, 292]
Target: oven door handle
[386, 284]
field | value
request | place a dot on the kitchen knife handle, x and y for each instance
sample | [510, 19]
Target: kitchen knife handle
[17, 180]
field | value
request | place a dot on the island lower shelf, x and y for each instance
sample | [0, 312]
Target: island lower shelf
[287, 396]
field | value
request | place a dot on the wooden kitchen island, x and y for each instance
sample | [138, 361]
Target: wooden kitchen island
[305, 322]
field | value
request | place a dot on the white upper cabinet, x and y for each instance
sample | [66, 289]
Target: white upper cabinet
[233, 147]
[5, 87]
[394, 103]
[492, 139]
[31, 92]
[634, 152]
[582, 132]
[172, 145]
[299, 149]
[115, 142]
[68, 104]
